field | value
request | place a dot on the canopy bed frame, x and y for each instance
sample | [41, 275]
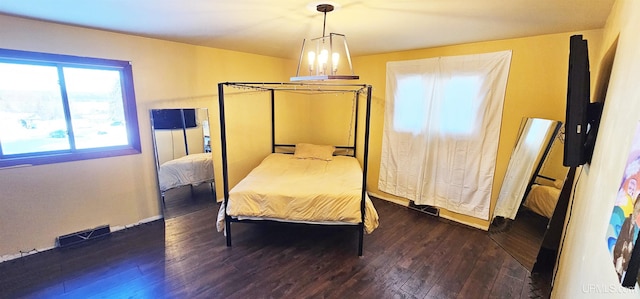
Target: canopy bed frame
[349, 150]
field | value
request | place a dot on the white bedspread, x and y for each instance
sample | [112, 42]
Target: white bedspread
[284, 188]
[188, 170]
[542, 199]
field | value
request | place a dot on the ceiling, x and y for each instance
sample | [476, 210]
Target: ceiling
[277, 27]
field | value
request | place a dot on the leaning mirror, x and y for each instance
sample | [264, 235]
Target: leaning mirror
[531, 187]
[184, 164]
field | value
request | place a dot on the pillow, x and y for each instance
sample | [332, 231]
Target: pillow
[312, 151]
[558, 183]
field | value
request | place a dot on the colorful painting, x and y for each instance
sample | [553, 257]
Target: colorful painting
[622, 233]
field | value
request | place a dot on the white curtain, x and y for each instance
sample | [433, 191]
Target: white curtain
[441, 130]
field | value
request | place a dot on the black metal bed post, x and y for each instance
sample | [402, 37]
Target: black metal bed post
[273, 121]
[223, 151]
[355, 130]
[155, 153]
[365, 163]
[536, 172]
[184, 134]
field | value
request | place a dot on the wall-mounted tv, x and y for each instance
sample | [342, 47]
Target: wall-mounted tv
[582, 117]
[168, 119]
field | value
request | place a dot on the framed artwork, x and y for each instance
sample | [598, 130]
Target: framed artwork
[624, 225]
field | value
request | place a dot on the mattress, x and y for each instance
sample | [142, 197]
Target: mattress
[542, 199]
[191, 169]
[289, 189]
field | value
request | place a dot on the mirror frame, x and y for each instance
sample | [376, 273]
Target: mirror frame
[194, 139]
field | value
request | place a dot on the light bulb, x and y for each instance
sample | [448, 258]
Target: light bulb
[335, 58]
[311, 58]
[322, 60]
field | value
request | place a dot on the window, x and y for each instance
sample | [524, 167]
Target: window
[460, 104]
[456, 104]
[57, 108]
[409, 98]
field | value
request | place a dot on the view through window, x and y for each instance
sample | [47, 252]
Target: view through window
[456, 104]
[56, 108]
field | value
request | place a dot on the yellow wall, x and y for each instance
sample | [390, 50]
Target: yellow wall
[170, 144]
[121, 191]
[248, 121]
[300, 117]
[41, 202]
[536, 88]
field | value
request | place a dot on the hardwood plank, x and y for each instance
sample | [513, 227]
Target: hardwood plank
[392, 268]
[114, 285]
[522, 237]
[411, 255]
[457, 272]
[484, 273]
[510, 281]
[433, 267]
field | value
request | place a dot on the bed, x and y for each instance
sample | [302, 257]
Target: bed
[542, 199]
[304, 190]
[193, 169]
[316, 184]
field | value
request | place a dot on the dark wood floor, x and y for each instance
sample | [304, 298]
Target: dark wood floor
[188, 199]
[521, 237]
[411, 255]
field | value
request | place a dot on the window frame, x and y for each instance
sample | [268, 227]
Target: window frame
[129, 108]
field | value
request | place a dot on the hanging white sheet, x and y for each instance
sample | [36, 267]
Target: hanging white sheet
[441, 131]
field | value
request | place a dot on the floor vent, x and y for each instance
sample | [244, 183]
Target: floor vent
[431, 210]
[83, 236]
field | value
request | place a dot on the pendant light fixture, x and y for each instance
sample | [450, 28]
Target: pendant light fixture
[326, 57]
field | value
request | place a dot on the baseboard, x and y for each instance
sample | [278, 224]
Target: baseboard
[402, 202]
[9, 257]
[474, 225]
[406, 202]
[143, 221]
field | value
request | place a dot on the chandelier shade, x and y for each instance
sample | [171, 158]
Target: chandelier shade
[326, 57]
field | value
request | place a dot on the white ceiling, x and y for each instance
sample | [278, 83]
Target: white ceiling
[277, 27]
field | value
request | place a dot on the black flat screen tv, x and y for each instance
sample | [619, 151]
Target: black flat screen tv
[169, 119]
[578, 100]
